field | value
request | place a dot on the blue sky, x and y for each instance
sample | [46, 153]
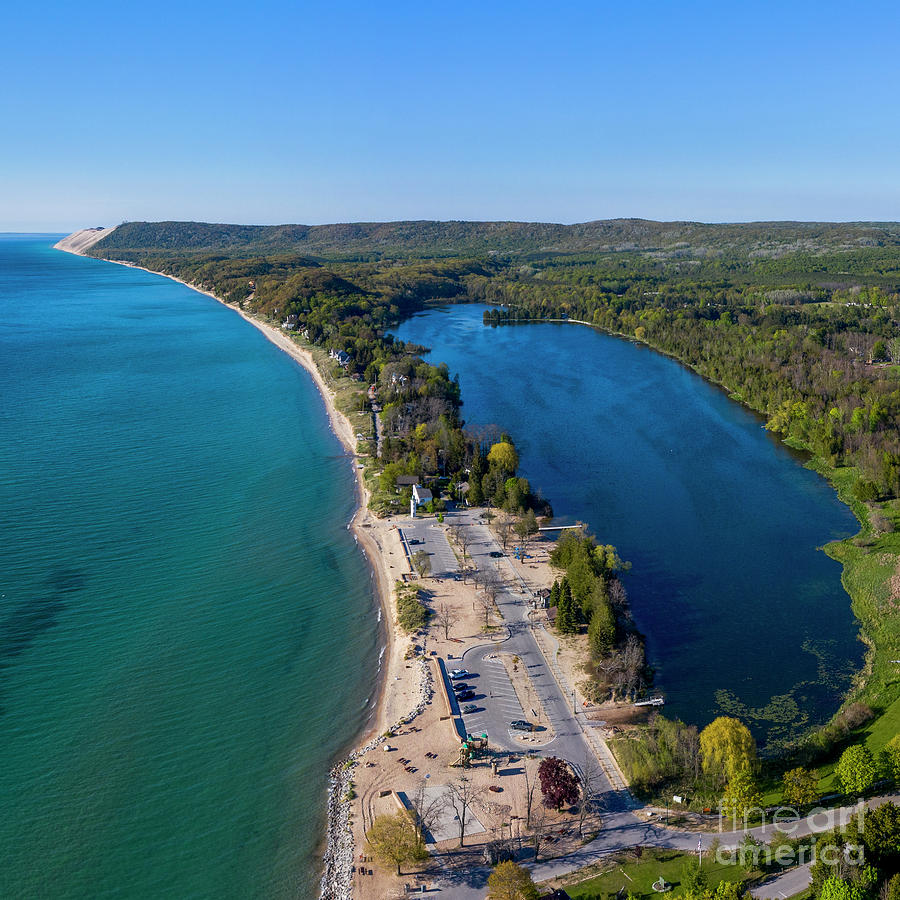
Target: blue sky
[319, 112]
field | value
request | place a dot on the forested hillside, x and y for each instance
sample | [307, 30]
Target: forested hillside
[798, 320]
[425, 239]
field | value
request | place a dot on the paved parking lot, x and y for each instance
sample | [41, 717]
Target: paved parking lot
[496, 701]
[427, 535]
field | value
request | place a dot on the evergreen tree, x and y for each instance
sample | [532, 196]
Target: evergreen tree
[693, 878]
[602, 630]
[566, 620]
[476, 473]
[554, 594]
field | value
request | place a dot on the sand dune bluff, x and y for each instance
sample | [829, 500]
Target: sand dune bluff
[79, 241]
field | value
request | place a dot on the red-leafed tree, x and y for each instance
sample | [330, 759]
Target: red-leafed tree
[559, 784]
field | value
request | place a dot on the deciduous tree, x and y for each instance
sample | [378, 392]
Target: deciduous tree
[395, 840]
[503, 457]
[422, 562]
[504, 529]
[559, 786]
[486, 605]
[591, 785]
[856, 769]
[741, 797]
[509, 881]
[460, 795]
[445, 618]
[727, 748]
[881, 835]
[799, 787]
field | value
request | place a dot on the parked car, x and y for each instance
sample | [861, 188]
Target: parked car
[466, 695]
[456, 674]
[495, 554]
[461, 686]
[414, 541]
[470, 708]
[521, 725]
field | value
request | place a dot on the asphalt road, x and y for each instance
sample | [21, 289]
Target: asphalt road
[495, 714]
[791, 882]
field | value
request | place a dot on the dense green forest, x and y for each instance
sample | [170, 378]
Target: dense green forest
[798, 320]
[434, 240]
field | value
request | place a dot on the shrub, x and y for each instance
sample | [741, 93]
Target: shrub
[412, 614]
[865, 490]
[880, 522]
[851, 717]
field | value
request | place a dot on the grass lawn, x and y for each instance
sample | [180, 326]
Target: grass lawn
[638, 876]
[867, 573]
[875, 735]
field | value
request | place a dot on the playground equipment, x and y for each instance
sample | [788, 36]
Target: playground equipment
[471, 748]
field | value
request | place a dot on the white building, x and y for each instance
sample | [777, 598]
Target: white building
[420, 495]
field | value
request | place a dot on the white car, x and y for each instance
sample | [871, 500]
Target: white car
[459, 673]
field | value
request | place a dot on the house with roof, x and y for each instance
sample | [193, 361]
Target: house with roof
[420, 496]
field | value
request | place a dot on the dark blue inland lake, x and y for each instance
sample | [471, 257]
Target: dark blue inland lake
[742, 611]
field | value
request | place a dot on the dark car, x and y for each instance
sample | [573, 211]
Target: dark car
[459, 687]
[521, 725]
[414, 541]
[470, 708]
[496, 554]
[466, 695]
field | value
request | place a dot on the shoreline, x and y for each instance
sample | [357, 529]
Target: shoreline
[339, 854]
[867, 684]
[338, 846]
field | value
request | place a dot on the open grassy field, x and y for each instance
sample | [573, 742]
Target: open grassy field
[638, 875]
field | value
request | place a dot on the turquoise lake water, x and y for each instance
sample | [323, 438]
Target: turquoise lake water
[188, 635]
[742, 613]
